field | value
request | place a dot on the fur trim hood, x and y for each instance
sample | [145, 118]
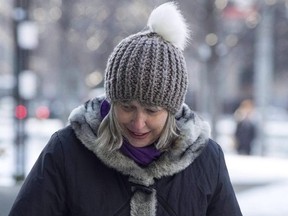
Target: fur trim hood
[194, 134]
[86, 119]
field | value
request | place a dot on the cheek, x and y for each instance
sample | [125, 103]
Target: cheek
[160, 122]
[122, 117]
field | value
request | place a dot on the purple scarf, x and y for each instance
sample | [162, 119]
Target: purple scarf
[142, 156]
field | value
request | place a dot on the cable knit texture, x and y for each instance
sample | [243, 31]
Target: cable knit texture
[148, 68]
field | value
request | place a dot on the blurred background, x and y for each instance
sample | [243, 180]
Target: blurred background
[53, 56]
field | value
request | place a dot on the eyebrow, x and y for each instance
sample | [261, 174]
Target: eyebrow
[146, 106]
[152, 107]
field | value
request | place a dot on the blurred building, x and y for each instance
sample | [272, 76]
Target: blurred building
[6, 49]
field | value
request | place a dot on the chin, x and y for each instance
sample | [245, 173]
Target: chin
[138, 144]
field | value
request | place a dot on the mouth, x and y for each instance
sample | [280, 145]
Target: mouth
[136, 135]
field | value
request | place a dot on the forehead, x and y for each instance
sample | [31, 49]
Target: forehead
[138, 104]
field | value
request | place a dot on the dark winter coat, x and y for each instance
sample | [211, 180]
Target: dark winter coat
[245, 134]
[73, 176]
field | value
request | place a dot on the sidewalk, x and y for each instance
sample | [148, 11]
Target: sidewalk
[269, 200]
[7, 197]
[261, 184]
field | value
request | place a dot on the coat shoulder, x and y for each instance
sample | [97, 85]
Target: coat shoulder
[66, 133]
[211, 151]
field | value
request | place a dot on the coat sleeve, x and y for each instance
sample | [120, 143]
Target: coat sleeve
[223, 201]
[43, 191]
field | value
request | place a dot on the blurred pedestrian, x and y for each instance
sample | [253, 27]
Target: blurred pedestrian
[245, 127]
[139, 150]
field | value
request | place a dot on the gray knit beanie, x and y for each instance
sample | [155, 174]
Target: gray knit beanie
[149, 66]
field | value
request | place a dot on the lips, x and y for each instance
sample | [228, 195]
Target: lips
[136, 135]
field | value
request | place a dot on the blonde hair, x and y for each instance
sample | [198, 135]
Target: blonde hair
[109, 133]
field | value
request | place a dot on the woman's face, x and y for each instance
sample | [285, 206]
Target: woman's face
[141, 125]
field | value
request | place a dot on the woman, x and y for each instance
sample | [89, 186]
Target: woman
[138, 150]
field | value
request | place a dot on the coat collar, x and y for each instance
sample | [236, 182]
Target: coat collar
[85, 121]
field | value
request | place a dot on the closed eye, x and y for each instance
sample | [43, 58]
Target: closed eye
[127, 107]
[153, 110]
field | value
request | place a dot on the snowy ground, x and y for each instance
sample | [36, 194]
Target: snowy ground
[39, 132]
[261, 184]
[269, 200]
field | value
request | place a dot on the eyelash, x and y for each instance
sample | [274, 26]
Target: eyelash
[151, 111]
[130, 108]
[127, 107]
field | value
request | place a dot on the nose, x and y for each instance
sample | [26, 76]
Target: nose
[139, 120]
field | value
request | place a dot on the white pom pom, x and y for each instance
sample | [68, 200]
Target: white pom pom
[167, 21]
